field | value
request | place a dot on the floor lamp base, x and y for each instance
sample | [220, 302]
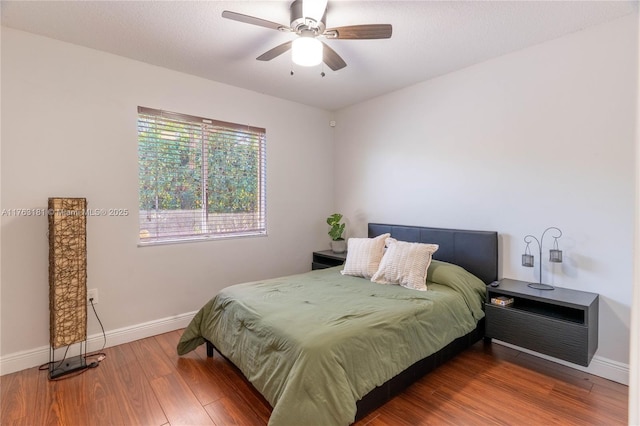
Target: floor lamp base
[66, 366]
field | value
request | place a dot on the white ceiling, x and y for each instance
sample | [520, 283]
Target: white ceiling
[430, 38]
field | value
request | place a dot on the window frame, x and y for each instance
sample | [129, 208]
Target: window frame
[249, 142]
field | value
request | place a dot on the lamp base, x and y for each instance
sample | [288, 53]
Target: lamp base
[540, 286]
[69, 365]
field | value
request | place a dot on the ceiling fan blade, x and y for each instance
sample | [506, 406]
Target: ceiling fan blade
[253, 20]
[360, 32]
[275, 52]
[332, 59]
[314, 9]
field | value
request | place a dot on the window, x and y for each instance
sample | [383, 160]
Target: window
[199, 178]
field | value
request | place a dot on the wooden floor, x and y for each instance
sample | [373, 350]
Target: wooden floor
[146, 383]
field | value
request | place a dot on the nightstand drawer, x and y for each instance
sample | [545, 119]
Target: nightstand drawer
[554, 337]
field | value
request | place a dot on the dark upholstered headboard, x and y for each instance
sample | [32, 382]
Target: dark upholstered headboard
[475, 251]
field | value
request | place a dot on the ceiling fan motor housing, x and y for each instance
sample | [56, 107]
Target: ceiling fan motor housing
[305, 25]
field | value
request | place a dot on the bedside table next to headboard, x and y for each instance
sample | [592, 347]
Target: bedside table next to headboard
[562, 323]
[327, 259]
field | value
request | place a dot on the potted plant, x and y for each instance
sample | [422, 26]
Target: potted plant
[338, 243]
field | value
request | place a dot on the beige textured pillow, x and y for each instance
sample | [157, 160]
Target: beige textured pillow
[406, 264]
[363, 256]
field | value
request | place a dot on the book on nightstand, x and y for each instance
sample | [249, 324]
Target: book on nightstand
[502, 301]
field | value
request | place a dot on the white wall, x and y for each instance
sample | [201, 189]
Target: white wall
[69, 129]
[536, 138]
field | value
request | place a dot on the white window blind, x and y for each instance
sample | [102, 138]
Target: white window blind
[199, 178]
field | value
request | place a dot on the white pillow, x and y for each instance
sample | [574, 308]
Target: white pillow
[364, 255]
[406, 264]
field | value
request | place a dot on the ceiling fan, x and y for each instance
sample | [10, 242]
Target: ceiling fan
[308, 21]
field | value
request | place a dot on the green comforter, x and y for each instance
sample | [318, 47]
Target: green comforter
[313, 344]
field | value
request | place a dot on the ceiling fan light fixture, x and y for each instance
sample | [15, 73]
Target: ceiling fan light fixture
[306, 51]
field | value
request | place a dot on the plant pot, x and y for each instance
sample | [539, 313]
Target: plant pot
[338, 246]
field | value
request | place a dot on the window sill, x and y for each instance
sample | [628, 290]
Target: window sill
[200, 239]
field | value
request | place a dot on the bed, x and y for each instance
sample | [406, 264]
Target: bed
[327, 348]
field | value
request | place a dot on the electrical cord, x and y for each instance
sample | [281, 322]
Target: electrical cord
[100, 354]
[104, 335]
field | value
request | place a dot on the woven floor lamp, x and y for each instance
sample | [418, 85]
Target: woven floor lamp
[67, 283]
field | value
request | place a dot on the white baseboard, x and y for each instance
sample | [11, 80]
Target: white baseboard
[34, 357]
[599, 366]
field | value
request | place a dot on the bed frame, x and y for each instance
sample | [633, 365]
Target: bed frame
[477, 252]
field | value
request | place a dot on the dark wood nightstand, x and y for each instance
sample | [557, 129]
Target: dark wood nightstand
[561, 323]
[327, 259]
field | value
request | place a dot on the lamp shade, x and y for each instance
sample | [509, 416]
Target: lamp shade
[306, 51]
[555, 256]
[67, 271]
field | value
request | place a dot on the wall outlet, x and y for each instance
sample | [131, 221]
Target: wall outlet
[92, 294]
